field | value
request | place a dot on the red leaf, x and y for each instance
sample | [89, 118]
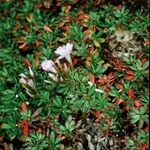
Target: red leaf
[6, 147]
[137, 103]
[25, 127]
[46, 28]
[88, 61]
[131, 93]
[143, 146]
[147, 43]
[24, 107]
[98, 115]
[118, 101]
[92, 78]
[129, 77]
[120, 86]
[129, 72]
[1, 138]
[102, 79]
[111, 76]
[27, 63]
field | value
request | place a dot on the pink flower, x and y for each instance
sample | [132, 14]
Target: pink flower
[49, 66]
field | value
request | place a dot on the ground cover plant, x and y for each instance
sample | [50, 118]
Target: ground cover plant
[74, 75]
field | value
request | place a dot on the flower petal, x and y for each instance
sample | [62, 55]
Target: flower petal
[49, 66]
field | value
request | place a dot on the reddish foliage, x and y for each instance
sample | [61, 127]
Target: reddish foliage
[25, 127]
[1, 138]
[6, 147]
[98, 2]
[88, 61]
[98, 115]
[75, 61]
[27, 63]
[137, 103]
[131, 93]
[118, 64]
[122, 103]
[119, 101]
[46, 28]
[92, 78]
[82, 18]
[107, 80]
[143, 146]
[120, 86]
[24, 107]
[144, 60]
[129, 75]
[147, 43]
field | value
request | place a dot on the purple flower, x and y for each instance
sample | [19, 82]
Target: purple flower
[49, 66]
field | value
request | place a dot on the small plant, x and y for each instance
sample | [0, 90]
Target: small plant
[68, 127]
[139, 116]
[39, 141]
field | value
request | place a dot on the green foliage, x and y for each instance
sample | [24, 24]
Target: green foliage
[30, 33]
[139, 116]
[67, 128]
[40, 142]
[97, 66]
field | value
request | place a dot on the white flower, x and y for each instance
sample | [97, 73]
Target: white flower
[98, 90]
[48, 65]
[31, 95]
[31, 83]
[31, 72]
[53, 76]
[65, 52]
[23, 80]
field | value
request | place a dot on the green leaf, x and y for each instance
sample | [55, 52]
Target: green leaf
[37, 112]
[83, 88]
[91, 90]
[58, 101]
[6, 126]
[53, 136]
[86, 107]
[67, 125]
[146, 65]
[62, 128]
[135, 118]
[96, 43]
[130, 142]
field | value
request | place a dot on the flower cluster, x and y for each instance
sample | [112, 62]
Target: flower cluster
[49, 65]
[28, 84]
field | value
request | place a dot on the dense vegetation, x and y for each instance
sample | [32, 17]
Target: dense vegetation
[74, 75]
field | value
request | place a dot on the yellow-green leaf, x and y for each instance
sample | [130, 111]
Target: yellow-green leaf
[96, 43]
